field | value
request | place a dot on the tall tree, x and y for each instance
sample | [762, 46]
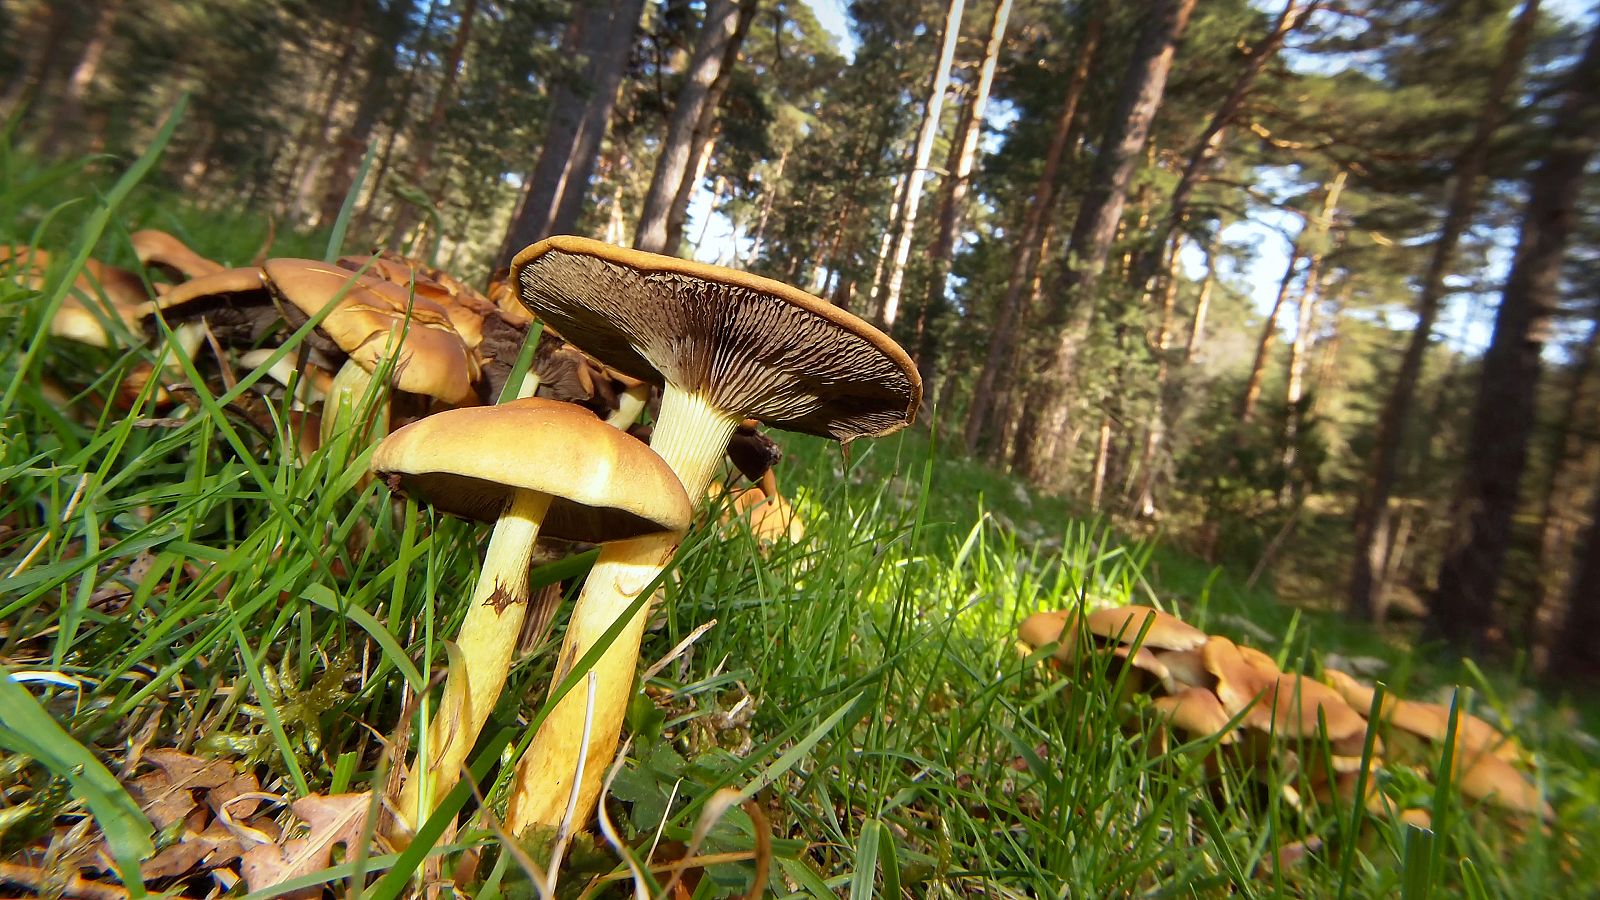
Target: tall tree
[581, 103]
[1364, 597]
[1575, 655]
[1463, 610]
[953, 195]
[1137, 102]
[1030, 242]
[901, 250]
[672, 163]
[428, 140]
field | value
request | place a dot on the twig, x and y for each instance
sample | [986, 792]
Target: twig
[565, 832]
[677, 651]
[610, 833]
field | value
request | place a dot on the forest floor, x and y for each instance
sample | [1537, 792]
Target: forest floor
[192, 616]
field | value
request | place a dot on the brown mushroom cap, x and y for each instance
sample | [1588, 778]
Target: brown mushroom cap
[1188, 668]
[157, 248]
[1239, 684]
[604, 485]
[751, 346]
[1492, 780]
[1043, 627]
[1295, 705]
[1197, 712]
[370, 321]
[1123, 624]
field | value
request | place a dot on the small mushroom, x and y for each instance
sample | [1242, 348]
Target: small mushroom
[1197, 713]
[1124, 624]
[372, 321]
[725, 346]
[160, 250]
[530, 466]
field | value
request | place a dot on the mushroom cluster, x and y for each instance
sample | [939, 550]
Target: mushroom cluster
[728, 351]
[1236, 703]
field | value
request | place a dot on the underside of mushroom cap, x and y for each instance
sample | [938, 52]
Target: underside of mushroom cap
[604, 484]
[752, 346]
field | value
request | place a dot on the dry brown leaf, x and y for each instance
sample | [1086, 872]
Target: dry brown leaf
[168, 794]
[333, 821]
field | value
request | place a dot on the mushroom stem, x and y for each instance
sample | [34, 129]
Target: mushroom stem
[630, 405]
[350, 386]
[487, 641]
[691, 435]
[543, 784]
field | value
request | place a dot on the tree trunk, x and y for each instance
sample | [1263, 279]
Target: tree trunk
[1575, 657]
[1463, 611]
[1202, 304]
[919, 165]
[41, 36]
[1155, 432]
[311, 149]
[67, 119]
[375, 99]
[1138, 99]
[768, 196]
[672, 164]
[1002, 334]
[1305, 326]
[706, 126]
[1559, 520]
[428, 140]
[1383, 471]
[399, 120]
[1210, 140]
[1102, 456]
[1269, 333]
[953, 197]
[580, 112]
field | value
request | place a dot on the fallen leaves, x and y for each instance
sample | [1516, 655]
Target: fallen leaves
[341, 821]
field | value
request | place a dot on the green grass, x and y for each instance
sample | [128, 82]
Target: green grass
[177, 578]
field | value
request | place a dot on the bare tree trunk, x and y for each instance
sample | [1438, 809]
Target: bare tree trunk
[919, 165]
[41, 37]
[721, 24]
[1305, 327]
[1210, 140]
[1463, 611]
[399, 120]
[707, 125]
[1155, 432]
[1269, 333]
[428, 140]
[67, 118]
[1559, 520]
[1202, 305]
[311, 149]
[1139, 98]
[1383, 470]
[1575, 657]
[953, 197]
[580, 113]
[1102, 456]
[1002, 334]
[379, 66]
[768, 197]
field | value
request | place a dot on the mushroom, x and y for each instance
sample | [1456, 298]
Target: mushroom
[725, 346]
[158, 249]
[532, 467]
[373, 320]
[1197, 713]
[1489, 779]
[1124, 624]
[1429, 721]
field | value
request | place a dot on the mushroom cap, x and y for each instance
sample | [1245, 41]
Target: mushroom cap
[1167, 632]
[604, 485]
[465, 307]
[1494, 781]
[1198, 712]
[1292, 705]
[370, 321]
[154, 247]
[752, 346]
[1043, 627]
[1239, 684]
[1432, 721]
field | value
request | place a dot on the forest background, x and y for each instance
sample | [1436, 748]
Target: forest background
[1308, 287]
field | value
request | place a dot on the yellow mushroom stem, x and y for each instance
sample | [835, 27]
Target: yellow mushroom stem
[350, 386]
[630, 405]
[487, 642]
[690, 436]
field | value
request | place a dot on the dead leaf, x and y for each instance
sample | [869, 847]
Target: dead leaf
[334, 821]
[173, 791]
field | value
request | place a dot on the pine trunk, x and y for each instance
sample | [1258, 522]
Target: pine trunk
[580, 113]
[375, 99]
[428, 140]
[1575, 657]
[1362, 600]
[953, 198]
[1155, 432]
[1463, 612]
[1139, 98]
[672, 164]
[1269, 334]
[1003, 331]
[67, 120]
[919, 166]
